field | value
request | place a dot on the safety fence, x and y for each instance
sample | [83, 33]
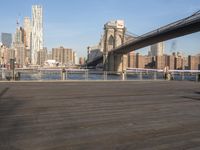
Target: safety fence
[85, 74]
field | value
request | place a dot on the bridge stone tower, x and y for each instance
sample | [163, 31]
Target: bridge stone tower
[114, 36]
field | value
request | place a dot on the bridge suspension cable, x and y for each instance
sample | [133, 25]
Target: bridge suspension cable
[166, 27]
[197, 12]
[131, 34]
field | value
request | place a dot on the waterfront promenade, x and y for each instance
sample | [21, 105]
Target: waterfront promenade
[129, 115]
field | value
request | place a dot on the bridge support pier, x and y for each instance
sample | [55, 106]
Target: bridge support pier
[116, 63]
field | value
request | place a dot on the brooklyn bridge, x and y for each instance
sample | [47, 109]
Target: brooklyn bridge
[118, 42]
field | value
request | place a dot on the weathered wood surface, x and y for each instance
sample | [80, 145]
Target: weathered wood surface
[100, 115]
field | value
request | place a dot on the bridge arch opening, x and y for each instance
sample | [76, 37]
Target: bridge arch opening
[111, 40]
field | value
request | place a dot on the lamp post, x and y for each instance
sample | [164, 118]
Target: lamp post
[12, 67]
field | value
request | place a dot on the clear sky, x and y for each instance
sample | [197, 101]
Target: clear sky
[77, 24]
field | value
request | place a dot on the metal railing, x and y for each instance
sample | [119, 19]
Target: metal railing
[85, 74]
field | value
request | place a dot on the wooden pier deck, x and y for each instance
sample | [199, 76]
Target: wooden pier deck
[149, 115]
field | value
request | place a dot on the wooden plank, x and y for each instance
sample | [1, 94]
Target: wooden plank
[99, 115]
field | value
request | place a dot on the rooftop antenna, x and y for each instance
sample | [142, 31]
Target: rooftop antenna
[18, 20]
[17, 23]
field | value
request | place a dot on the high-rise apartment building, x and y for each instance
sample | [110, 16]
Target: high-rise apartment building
[161, 62]
[49, 55]
[64, 56]
[42, 56]
[194, 62]
[6, 39]
[140, 61]
[157, 49]
[171, 62]
[5, 55]
[37, 33]
[132, 60]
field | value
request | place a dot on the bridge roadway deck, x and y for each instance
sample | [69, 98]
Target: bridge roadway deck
[99, 115]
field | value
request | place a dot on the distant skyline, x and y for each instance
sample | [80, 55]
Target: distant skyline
[78, 24]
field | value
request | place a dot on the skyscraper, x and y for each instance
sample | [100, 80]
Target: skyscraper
[27, 37]
[6, 39]
[19, 35]
[19, 46]
[157, 49]
[37, 33]
[27, 30]
[65, 56]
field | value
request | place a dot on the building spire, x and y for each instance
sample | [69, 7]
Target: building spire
[18, 20]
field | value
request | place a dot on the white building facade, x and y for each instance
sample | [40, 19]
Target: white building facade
[37, 33]
[157, 49]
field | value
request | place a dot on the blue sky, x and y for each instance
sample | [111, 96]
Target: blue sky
[77, 24]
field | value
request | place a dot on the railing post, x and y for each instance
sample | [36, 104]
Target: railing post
[197, 77]
[105, 75]
[123, 75]
[182, 76]
[141, 75]
[66, 75]
[86, 74]
[155, 75]
[3, 74]
[40, 75]
[63, 74]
